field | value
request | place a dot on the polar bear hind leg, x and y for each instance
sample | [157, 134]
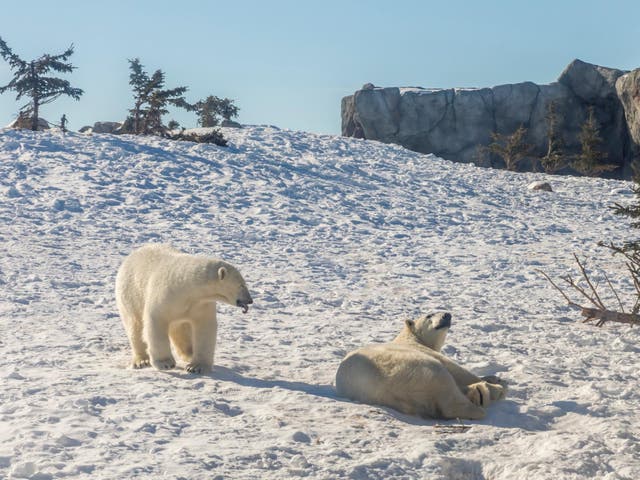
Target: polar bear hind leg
[157, 337]
[433, 393]
[181, 335]
[140, 355]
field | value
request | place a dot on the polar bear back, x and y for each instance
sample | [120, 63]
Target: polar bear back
[157, 270]
[136, 272]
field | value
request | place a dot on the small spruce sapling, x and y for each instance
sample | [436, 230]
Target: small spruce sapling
[151, 100]
[589, 160]
[554, 159]
[212, 108]
[511, 148]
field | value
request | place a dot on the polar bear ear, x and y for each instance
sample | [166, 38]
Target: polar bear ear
[222, 272]
[411, 325]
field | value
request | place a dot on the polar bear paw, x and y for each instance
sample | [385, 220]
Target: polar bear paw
[197, 368]
[484, 393]
[478, 394]
[164, 364]
[140, 362]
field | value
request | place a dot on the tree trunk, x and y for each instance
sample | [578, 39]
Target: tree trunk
[603, 316]
[136, 118]
[34, 118]
[35, 98]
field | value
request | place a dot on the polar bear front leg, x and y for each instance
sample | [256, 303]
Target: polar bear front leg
[157, 332]
[205, 331]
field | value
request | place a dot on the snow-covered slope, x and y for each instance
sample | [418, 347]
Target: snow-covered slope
[339, 240]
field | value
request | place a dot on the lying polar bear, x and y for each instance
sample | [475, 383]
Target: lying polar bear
[412, 376]
[165, 296]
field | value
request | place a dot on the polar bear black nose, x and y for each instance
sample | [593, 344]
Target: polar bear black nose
[445, 321]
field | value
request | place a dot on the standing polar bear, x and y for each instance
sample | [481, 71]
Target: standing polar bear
[165, 296]
[410, 374]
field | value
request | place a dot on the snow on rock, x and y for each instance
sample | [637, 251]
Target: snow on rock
[339, 240]
[541, 186]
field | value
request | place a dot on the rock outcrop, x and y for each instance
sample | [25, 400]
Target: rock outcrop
[102, 127]
[453, 123]
[230, 124]
[628, 90]
[25, 123]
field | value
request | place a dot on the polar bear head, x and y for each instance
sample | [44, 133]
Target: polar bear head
[228, 285]
[430, 330]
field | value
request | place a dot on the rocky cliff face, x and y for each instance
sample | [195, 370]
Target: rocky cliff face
[453, 123]
[628, 90]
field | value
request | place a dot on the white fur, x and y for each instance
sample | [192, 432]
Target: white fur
[165, 296]
[410, 374]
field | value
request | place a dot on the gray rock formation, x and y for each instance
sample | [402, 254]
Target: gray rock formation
[540, 186]
[453, 123]
[25, 123]
[102, 127]
[230, 124]
[628, 90]
[106, 127]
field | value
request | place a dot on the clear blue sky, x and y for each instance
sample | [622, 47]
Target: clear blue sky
[289, 63]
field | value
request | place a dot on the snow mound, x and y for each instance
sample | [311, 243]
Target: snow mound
[339, 241]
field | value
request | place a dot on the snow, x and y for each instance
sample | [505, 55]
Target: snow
[339, 240]
[427, 91]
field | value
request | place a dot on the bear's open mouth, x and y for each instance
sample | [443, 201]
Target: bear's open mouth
[244, 305]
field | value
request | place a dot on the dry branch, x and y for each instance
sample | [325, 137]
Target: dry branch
[459, 428]
[600, 313]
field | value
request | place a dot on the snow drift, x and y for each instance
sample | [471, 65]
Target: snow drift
[339, 240]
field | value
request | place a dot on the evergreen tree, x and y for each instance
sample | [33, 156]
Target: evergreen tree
[141, 85]
[211, 108]
[31, 80]
[555, 158]
[227, 108]
[511, 148]
[588, 161]
[151, 100]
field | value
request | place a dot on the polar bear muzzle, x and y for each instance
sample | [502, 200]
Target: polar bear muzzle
[244, 299]
[443, 322]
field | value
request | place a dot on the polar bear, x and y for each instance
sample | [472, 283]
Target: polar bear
[163, 294]
[410, 374]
